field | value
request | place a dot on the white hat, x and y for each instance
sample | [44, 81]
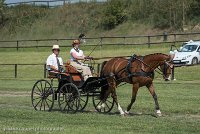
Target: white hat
[55, 47]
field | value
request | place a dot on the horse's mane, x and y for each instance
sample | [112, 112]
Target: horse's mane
[155, 54]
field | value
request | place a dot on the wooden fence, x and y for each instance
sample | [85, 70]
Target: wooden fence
[43, 69]
[116, 40]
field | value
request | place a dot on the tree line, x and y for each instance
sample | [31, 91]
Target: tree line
[162, 14]
[174, 14]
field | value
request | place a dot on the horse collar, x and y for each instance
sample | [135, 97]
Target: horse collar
[128, 67]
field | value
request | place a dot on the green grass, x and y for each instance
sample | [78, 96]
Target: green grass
[179, 104]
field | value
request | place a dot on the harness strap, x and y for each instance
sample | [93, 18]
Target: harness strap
[132, 59]
[145, 74]
[132, 74]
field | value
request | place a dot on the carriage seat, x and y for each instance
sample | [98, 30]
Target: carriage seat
[76, 76]
[70, 69]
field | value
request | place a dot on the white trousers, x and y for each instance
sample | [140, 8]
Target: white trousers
[82, 68]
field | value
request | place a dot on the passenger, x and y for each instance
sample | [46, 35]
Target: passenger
[54, 62]
[76, 55]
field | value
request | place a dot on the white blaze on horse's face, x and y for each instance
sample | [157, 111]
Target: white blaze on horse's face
[167, 70]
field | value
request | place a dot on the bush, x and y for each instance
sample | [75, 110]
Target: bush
[114, 14]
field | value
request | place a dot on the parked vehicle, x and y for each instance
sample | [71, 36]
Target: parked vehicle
[188, 54]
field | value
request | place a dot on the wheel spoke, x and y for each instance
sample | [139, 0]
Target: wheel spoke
[47, 103]
[37, 93]
[44, 104]
[65, 107]
[36, 98]
[41, 105]
[107, 105]
[80, 106]
[38, 103]
[109, 101]
[62, 102]
[38, 88]
[45, 86]
[41, 86]
[98, 103]
[49, 100]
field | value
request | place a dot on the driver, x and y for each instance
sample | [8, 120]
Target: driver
[76, 55]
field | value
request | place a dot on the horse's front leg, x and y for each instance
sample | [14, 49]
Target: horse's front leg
[153, 93]
[134, 94]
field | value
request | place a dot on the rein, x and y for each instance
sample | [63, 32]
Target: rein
[95, 47]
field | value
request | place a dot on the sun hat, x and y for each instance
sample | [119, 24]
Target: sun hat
[55, 47]
[76, 42]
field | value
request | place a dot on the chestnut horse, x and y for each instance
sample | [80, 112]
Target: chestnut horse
[138, 71]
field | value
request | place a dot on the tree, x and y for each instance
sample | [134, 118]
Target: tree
[2, 16]
[114, 14]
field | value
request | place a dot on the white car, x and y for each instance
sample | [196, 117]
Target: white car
[188, 54]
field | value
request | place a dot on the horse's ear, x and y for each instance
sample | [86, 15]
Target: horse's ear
[171, 57]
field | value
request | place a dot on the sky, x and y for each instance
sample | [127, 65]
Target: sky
[15, 1]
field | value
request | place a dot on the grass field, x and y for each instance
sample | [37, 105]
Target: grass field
[179, 101]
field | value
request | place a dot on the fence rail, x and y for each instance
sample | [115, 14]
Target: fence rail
[43, 67]
[115, 40]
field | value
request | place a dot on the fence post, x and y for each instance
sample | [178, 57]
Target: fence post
[48, 4]
[172, 73]
[15, 70]
[174, 39]
[149, 41]
[45, 72]
[17, 45]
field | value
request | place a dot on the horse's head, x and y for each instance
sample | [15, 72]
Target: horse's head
[167, 67]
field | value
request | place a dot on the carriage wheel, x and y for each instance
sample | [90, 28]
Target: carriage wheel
[42, 96]
[83, 101]
[108, 104]
[69, 98]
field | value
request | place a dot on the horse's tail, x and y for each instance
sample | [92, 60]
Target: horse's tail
[102, 66]
[105, 86]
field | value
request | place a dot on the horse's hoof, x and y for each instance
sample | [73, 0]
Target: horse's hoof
[158, 112]
[159, 115]
[126, 112]
[122, 115]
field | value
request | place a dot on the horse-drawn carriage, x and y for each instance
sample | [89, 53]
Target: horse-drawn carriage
[71, 92]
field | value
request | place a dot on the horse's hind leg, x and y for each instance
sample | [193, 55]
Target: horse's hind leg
[153, 93]
[114, 96]
[134, 94]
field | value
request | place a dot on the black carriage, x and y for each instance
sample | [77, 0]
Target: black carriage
[72, 93]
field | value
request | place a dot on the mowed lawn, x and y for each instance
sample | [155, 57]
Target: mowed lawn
[179, 101]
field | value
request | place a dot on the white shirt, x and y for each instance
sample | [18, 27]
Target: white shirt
[78, 53]
[52, 60]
